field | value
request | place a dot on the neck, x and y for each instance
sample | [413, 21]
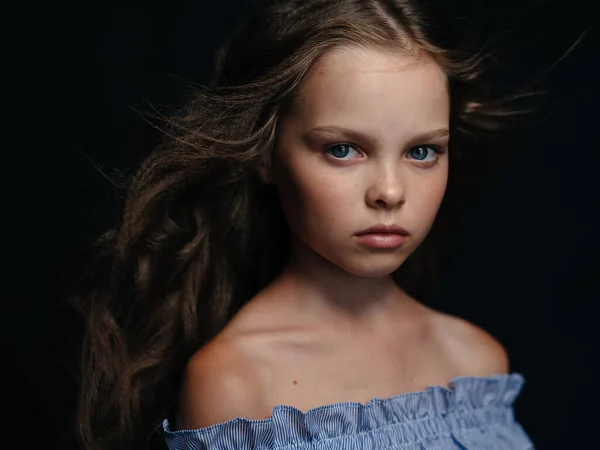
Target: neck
[317, 288]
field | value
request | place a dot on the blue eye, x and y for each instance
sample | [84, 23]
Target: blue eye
[339, 151]
[420, 152]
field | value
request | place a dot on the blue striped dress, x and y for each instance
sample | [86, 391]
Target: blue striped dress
[475, 413]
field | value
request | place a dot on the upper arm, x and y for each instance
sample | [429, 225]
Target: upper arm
[489, 355]
[476, 350]
[216, 387]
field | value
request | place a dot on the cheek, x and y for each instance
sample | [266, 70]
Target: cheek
[430, 198]
[314, 203]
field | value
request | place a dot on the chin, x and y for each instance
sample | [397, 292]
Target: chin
[371, 269]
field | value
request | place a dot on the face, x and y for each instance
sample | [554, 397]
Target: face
[364, 145]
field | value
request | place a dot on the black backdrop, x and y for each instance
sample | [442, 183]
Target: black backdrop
[527, 269]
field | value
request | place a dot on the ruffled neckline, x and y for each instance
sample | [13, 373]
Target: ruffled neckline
[467, 400]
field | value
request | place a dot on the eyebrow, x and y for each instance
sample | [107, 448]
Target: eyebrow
[361, 136]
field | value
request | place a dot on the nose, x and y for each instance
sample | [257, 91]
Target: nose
[387, 190]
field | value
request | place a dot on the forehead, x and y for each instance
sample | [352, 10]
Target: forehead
[369, 86]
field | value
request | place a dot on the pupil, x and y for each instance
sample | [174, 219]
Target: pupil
[421, 151]
[340, 154]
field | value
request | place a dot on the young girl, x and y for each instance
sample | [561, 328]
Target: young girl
[262, 288]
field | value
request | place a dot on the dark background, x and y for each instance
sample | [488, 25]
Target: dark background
[527, 268]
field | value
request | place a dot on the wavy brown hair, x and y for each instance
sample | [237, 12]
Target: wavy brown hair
[200, 235]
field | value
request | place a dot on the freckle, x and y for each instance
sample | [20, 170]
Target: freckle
[295, 382]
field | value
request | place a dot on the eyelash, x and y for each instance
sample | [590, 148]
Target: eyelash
[435, 148]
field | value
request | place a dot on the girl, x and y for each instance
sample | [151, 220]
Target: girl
[263, 287]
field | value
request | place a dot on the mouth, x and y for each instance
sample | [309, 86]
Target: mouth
[381, 240]
[383, 236]
[384, 229]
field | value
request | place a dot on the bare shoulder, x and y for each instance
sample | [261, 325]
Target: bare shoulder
[219, 383]
[474, 351]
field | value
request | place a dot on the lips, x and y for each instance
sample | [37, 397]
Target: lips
[383, 236]
[381, 240]
[384, 229]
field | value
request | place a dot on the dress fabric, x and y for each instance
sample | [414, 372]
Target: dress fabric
[474, 413]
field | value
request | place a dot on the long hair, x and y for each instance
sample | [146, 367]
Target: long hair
[200, 235]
